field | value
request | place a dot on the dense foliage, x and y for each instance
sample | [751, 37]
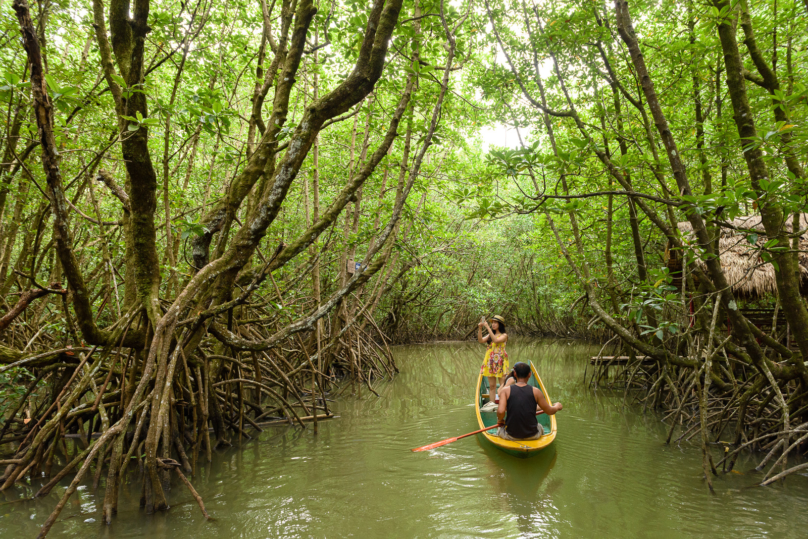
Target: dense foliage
[212, 212]
[670, 172]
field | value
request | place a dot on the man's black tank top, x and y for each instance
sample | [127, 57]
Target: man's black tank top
[521, 420]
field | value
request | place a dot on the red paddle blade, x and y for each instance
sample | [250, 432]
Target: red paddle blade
[436, 444]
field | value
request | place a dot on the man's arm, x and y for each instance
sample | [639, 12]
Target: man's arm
[544, 405]
[504, 393]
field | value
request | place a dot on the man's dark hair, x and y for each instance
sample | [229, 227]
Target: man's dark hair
[522, 370]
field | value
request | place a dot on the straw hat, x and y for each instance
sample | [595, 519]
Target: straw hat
[498, 318]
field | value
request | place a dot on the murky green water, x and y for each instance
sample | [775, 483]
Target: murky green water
[608, 474]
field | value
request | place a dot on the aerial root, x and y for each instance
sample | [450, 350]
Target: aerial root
[173, 464]
[717, 394]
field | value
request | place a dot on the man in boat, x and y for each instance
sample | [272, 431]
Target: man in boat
[518, 404]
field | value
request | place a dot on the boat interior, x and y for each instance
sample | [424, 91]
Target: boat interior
[489, 418]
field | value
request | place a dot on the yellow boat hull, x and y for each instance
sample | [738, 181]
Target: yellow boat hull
[523, 448]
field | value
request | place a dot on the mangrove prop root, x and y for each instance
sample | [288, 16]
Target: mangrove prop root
[149, 386]
[717, 393]
[169, 463]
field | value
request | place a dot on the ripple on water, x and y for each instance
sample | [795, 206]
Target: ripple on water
[607, 475]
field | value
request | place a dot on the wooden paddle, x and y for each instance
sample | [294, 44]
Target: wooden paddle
[456, 438]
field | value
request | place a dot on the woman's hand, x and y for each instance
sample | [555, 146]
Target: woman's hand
[480, 331]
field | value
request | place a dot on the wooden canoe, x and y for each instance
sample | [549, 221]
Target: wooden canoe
[523, 448]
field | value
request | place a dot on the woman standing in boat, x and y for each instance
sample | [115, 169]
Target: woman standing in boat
[495, 364]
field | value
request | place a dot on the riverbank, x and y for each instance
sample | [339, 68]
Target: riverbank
[609, 475]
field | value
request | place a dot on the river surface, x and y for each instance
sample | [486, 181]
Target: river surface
[608, 474]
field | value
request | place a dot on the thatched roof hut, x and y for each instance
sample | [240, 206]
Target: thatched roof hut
[750, 276]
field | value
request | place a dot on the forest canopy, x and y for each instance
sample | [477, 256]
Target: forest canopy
[212, 213]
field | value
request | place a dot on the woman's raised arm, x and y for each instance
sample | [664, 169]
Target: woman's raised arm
[480, 338]
[496, 337]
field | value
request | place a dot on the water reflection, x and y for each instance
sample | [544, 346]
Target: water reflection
[608, 473]
[518, 483]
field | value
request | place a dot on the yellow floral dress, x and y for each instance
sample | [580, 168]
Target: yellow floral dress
[496, 360]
